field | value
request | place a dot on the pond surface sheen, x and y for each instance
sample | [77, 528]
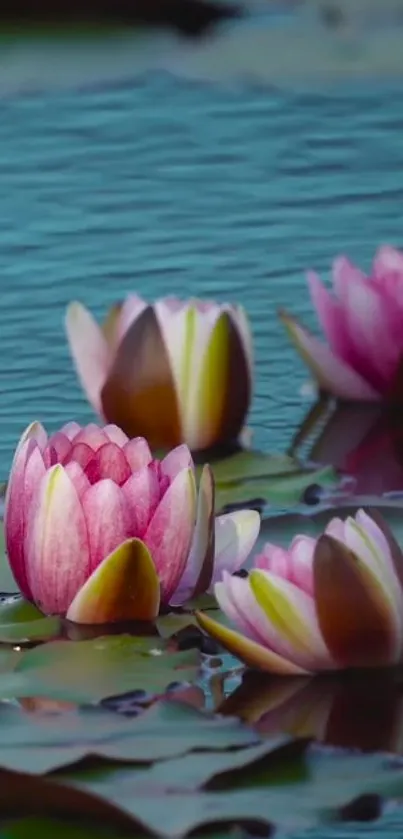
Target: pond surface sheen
[163, 186]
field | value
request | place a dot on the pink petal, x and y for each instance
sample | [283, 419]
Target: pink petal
[15, 511]
[331, 374]
[89, 350]
[77, 477]
[331, 317]
[108, 520]
[275, 559]
[374, 330]
[62, 446]
[116, 435]
[301, 552]
[229, 605]
[142, 494]
[56, 544]
[132, 308]
[93, 436]
[177, 459]
[235, 536]
[387, 260]
[108, 462]
[80, 453]
[137, 453]
[170, 532]
[70, 430]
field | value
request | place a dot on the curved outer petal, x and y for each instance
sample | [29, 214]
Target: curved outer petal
[110, 328]
[331, 317]
[139, 393]
[108, 520]
[124, 587]
[365, 540]
[291, 626]
[90, 351]
[199, 568]
[388, 271]
[373, 324]
[235, 536]
[131, 309]
[253, 654]
[176, 460]
[274, 613]
[57, 551]
[142, 494]
[395, 550]
[331, 373]
[219, 400]
[34, 439]
[170, 532]
[353, 613]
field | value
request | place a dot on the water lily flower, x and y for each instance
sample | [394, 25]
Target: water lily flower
[173, 372]
[362, 322]
[322, 605]
[98, 531]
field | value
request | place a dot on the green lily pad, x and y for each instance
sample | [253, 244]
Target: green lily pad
[40, 744]
[87, 671]
[249, 476]
[283, 490]
[251, 791]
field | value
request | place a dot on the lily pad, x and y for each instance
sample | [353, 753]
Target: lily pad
[321, 788]
[87, 671]
[165, 730]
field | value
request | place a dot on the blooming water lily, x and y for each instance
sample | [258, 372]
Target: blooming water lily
[362, 322]
[172, 372]
[326, 604]
[98, 531]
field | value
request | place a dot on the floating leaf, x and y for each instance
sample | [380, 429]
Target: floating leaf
[39, 744]
[319, 791]
[86, 671]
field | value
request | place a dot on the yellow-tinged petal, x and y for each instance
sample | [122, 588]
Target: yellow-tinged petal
[291, 612]
[252, 654]
[110, 326]
[124, 587]
[217, 413]
[354, 614]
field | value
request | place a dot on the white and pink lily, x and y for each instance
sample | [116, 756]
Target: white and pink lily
[362, 322]
[322, 605]
[98, 531]
[174, 372]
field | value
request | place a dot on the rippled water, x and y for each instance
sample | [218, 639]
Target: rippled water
[165, 186]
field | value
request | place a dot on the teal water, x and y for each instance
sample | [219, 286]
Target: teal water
[162, 186]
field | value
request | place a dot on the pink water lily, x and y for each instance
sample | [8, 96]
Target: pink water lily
[362, 322]
[326, 604]
[175, 371]
[98, 531]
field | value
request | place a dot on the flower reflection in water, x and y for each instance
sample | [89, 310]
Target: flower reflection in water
[355, 710]
[358, 440]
